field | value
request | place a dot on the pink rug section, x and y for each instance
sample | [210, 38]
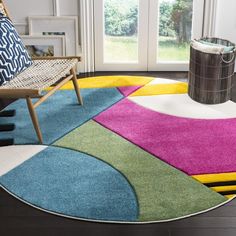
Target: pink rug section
[192, 145]
[126, 91]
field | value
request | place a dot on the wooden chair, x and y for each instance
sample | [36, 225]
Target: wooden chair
[44, 72]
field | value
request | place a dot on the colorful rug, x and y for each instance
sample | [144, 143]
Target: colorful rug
[138, 151]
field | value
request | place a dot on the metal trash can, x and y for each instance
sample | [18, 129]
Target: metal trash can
[211, 75]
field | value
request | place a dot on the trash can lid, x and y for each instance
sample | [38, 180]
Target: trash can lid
[213, 48]
[226, 48]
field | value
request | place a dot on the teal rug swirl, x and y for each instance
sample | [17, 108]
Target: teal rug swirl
[74, 184]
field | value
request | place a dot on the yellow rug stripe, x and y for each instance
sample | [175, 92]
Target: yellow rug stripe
[230, 196]
[224, 188]
[109, 82]
[212, 178]
[161, 89]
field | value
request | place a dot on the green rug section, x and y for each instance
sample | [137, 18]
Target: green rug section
[163, 192]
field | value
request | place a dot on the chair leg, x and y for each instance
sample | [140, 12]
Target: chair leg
[34, 119]
[76, 86]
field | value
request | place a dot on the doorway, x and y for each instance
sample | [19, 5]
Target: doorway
[145, 35]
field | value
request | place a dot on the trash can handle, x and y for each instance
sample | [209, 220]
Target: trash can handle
[227, 62]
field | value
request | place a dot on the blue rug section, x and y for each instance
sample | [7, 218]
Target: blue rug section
[73, 184]
[59, 114]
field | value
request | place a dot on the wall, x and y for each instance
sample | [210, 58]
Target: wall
[19, 11]
[225, 26]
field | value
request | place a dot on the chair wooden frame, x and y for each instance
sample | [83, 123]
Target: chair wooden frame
[5, 8]
[28, 94]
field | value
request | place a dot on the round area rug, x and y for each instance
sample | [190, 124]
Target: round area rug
[138, 151]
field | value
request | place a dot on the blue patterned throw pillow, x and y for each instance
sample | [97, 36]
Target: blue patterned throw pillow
[14, 58]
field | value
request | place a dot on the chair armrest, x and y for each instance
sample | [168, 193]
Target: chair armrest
[5, 9]
[55, 58]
